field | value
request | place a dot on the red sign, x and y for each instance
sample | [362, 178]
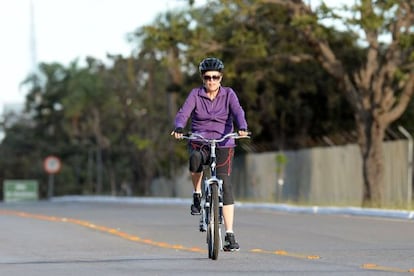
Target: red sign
[52, 164]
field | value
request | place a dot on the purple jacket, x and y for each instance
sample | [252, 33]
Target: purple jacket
[212, 118]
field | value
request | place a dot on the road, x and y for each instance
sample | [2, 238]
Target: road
[93, 238]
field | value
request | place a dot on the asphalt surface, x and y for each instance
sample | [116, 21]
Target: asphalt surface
[156, 236]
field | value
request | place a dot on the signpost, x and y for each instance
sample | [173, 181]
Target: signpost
[52, 166]
[20, 190]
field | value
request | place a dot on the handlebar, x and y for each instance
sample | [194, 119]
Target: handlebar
[196, 136]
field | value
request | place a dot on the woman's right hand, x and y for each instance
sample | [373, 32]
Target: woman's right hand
[177, 133]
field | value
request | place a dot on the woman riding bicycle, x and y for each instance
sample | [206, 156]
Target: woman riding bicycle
[213, 110]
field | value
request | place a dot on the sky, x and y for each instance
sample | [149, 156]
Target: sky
[64, 31]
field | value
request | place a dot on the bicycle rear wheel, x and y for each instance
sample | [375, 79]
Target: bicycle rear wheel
[213, 233]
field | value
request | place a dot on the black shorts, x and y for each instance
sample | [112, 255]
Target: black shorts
[200, 156]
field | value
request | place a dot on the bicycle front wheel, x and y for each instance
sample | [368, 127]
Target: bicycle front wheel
[213, 233]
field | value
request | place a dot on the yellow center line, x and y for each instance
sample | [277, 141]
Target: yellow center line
[386, 268]
[285, 253]
[111, 231]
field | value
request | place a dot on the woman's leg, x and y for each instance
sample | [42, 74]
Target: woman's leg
[228, 214]
[224, 165]
[196, 169]
[196, 178]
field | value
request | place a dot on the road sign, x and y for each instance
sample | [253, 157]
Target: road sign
[52, 164]
[20, 190]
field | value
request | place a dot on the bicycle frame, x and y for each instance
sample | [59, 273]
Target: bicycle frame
[212, 200]
[213, 179]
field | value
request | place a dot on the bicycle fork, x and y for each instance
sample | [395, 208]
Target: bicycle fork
[205, 212]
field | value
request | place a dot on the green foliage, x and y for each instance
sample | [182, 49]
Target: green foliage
[281, 161]
[141, 144]
[407, 42]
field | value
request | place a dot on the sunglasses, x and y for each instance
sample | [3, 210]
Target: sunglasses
[209, 78]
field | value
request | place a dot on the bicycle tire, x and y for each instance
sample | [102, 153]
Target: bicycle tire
[214, 227]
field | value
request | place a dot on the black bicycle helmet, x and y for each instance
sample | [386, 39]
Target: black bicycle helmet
[210, 64]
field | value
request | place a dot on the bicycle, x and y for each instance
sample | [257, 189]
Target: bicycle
[212, 198]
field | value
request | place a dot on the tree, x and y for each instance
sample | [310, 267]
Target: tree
[291, 101]
[261, 52]
[96, 119]
[381, 88]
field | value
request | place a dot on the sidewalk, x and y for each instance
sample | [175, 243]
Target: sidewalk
[352, 211]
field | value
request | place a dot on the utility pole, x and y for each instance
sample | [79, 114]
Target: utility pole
[33, 50]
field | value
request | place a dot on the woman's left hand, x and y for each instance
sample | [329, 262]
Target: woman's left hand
[243, 132]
